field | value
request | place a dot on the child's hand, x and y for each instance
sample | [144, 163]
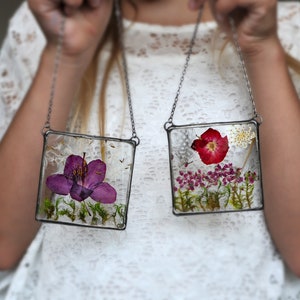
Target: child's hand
[85, 23]
[255, 20]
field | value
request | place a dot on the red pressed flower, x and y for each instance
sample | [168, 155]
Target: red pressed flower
[211, 146]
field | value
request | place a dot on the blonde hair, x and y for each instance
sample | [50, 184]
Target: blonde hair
[85, 95]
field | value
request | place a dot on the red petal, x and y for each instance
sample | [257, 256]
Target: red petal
[211, 146]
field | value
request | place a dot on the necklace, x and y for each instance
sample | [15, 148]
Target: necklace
[86, 187]
[215, 167]
[85, 179]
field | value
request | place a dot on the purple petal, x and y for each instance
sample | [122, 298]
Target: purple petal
[95, 174]
[73, 162]
[59, 184]
[104, 193]
[79, 192]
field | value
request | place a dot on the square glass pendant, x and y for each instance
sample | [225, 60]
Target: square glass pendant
[215, 167]
[85, 180]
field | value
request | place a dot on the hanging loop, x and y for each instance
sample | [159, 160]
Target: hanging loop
[135, 139]
[168, 124]
[258, 119]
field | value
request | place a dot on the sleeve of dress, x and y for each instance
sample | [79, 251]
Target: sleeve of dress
[19, 57]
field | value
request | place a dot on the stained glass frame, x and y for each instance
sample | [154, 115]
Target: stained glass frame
[215, 167]
[77, 160]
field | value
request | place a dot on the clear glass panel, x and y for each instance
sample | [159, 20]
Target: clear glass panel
[85, 180]
[215, 167]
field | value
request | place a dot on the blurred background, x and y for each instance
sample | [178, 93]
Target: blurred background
[7, 7]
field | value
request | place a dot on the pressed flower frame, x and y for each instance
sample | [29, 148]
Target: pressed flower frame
[85, 180]
[215, 167]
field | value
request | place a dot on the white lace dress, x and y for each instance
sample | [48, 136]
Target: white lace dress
[159, 256]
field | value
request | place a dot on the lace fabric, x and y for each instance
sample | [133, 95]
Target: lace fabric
[159, 256]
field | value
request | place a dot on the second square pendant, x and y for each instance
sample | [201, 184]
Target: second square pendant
[215, 167]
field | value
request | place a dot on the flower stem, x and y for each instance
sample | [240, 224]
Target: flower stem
[248, 153]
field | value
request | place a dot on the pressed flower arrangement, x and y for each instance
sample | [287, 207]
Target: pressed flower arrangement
[215, 167]
[85, 180]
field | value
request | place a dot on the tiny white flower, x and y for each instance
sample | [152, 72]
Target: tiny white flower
[242, 136]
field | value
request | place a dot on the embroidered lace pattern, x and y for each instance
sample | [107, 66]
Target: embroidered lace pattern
[159, 256]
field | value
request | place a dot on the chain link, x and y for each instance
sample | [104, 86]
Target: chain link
[57, 57]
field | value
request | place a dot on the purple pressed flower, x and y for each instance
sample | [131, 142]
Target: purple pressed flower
[225, 174]
[82, 180]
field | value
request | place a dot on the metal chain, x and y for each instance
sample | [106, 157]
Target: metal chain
[47, 125]
[125, 69]
[242, 62]
[185, 66]
[55, 73]
[134, 137]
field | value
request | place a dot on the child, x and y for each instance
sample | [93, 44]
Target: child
[239, 255]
